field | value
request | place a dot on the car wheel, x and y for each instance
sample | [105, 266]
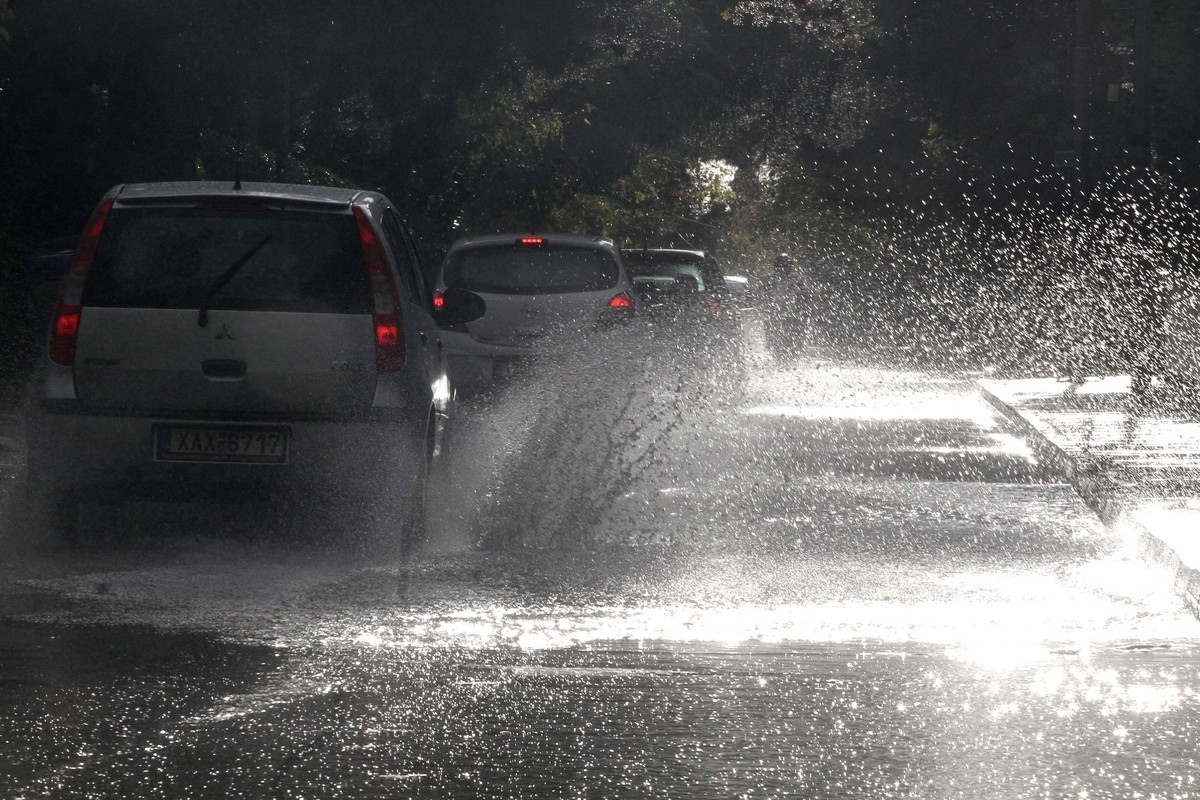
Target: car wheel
[51, 513]
[394, 519]
[415, 511]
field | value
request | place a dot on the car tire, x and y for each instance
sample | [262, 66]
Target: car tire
[49, 509]
[414, 513]
[51, 513]
[394, 519]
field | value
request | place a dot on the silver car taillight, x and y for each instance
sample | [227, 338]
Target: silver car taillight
[390, 348]
[64, 333]
[620, 309]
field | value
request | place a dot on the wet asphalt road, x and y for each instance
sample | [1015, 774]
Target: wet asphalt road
[804, 578]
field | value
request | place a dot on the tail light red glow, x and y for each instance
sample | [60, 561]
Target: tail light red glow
[620, 310]
[390, 350]
[531, 241]
[389, 343]
[64, 334]
[387, 334]
[66, 324]
[439, 302]
[621, 300]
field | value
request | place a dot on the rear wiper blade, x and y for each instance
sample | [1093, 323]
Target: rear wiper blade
[226, 277]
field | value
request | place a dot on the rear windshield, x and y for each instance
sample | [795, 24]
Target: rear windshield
[174, 257]
[651, 270]
[513, 269]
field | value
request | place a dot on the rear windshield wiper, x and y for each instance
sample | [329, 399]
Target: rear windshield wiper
[226, 277]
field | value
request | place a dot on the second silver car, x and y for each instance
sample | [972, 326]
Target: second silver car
[537, 288]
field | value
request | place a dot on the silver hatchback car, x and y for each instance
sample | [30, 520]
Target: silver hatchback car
[228, 340]
[536, 288]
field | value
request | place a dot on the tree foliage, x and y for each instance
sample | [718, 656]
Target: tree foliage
[6, 17]
[578, 115]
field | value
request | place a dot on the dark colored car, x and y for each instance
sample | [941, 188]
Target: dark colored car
[221, 340]
[681, 285]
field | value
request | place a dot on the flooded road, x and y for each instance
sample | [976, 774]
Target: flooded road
[797, 577]
[123, 713]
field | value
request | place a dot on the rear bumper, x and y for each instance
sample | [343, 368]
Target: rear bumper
[473, 364]
[114, 456]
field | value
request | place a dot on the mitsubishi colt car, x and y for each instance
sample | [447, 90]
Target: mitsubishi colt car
[537, 288]
[220, 340]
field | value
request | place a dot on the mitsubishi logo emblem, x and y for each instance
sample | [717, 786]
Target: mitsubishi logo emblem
[225, 333]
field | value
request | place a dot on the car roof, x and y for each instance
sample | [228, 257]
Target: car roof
[668, 253]
[187, 190]
[554, 238]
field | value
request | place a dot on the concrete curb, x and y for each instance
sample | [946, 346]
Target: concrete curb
[1112, 500]
[1088, 478]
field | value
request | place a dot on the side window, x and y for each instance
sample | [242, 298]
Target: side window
[411, 272]
[418, 268]
[404, 257]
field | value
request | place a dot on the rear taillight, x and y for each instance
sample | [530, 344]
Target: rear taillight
[387, 332]
[389, 342]
[622, 300]
[385, 299]
[620, 309]
[439, 303]
[64, 333]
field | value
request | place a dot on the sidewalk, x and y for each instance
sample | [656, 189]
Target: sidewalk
[1136, 464]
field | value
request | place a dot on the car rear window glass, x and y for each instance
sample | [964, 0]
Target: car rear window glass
[653, 270]
[171, 257]
[549, 269]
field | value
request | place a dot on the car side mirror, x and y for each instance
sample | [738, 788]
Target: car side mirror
[457, 307]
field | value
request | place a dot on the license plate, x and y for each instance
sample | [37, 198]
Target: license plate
[228, 444]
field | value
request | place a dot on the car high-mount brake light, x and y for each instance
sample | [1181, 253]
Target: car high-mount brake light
[531, 241]
[385, 299]
[64, 333]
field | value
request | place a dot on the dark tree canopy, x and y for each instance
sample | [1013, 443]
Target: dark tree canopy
[586, 116]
